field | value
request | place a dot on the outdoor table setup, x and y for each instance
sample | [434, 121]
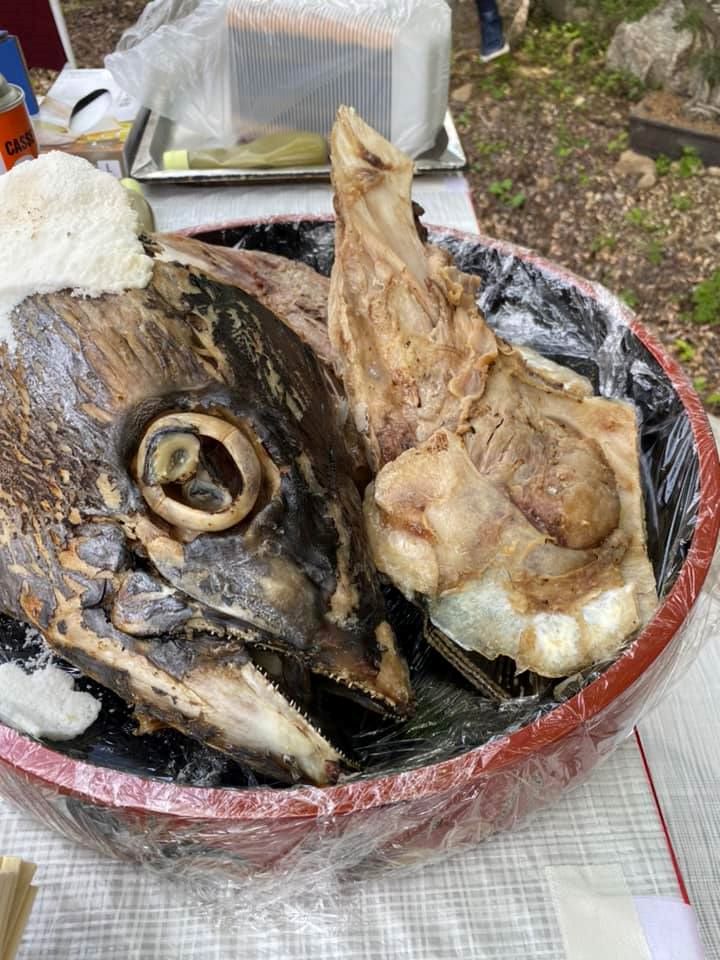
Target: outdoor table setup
[339, 675]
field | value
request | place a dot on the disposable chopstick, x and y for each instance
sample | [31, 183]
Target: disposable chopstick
[16, 900]
[21, 919]
[24, 873]
[7, 894]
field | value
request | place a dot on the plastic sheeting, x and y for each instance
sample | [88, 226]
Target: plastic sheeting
[461, 768]
[232, 70]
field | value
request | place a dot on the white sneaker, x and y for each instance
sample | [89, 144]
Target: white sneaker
[495, 54]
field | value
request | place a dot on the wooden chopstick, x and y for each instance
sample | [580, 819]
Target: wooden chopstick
[16, 901]
[7, 895]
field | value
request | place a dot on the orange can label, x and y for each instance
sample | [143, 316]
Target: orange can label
[17, 138]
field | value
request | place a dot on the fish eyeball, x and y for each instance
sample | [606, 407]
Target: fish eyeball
[204, 493]
[171, 455]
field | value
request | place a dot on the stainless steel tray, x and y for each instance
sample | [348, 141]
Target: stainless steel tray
[152, 135]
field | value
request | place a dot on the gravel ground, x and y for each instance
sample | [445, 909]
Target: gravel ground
[543, 130]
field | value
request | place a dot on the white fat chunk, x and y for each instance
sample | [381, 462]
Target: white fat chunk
[610, 618]
[65, 225]
[558, 637]
[45, 704]
[480, 617]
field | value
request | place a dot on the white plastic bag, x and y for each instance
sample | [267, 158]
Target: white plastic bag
[232, 70]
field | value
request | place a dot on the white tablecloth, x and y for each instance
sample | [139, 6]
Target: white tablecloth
[446, 201]
[491, 904]
[681, 738]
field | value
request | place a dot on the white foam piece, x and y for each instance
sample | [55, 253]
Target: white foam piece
[45, 704]
[65, 225]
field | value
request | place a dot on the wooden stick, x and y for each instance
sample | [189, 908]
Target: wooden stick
[11, 946]
[7, 894]
[16, 900]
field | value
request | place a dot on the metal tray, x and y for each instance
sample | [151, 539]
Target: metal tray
[152, 135]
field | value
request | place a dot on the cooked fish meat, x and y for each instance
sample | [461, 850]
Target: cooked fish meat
[177, 505]
[507, 498]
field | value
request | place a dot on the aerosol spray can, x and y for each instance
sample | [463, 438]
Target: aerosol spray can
[17, 139]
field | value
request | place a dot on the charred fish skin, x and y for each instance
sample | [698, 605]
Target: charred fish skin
[296, 294]
[310, 554]
[234, 413]
[290, 289]
[507, 498]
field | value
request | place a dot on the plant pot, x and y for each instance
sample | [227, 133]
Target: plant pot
[656, 132]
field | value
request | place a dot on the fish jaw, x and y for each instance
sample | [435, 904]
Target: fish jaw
[415, 351]
[223, 700]
[504, 493]
[384, 686]
[144, 605]
[273, 605]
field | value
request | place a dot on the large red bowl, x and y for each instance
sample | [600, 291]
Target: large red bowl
[402, 817]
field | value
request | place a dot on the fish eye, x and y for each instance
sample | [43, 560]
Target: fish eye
[198, 472]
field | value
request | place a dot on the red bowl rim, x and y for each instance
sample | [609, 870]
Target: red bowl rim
[106, 786]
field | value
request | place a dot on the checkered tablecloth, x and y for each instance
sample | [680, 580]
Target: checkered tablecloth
[681, 739]
[493, 903]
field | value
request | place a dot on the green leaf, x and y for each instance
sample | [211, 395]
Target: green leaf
[618, 143]
[655, 252]
[684, 349]
[604, 241]
[663, 165]
[689, 163]
[706, 301]
[681, 201]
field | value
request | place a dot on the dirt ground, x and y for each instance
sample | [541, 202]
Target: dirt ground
[543, 130]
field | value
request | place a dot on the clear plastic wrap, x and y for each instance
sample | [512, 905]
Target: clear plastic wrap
[462, 768]
[289, 64]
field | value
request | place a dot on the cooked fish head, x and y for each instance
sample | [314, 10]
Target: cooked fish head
[177, 491]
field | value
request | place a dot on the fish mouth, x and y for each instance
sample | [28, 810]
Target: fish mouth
[221, 678]
[207, 688]
[189, 659]
[149, 606]
[269, 602]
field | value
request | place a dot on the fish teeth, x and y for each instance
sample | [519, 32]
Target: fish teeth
[308, 719]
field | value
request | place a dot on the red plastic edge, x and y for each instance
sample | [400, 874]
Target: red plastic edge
[103, 785]
[663, 822]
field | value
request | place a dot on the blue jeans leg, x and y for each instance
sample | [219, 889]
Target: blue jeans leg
[491, 28]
